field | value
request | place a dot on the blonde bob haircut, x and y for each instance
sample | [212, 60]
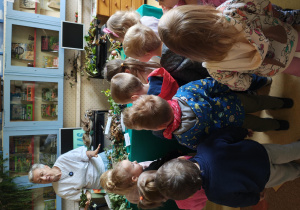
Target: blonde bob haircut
[123, 86]
[135, 67]
[199, 32]
[139, 40]
[121, 21]
[150, 197]
[147, 112]
[117, 180]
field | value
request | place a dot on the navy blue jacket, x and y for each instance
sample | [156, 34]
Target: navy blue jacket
[234, 170]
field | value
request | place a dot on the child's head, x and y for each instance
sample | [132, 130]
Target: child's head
[120, 22]
[168, 4]
[150, 197]
[125, 88]
[140, 42]
[148, 112]
[129, 65]
[199, 32]
[122, 178]
[178, 179]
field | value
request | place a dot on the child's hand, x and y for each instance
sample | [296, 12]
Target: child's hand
[250, 132]
[94, 153]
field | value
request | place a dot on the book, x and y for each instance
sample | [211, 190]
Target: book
[50, 62]
[49, 43]
[28, 4]
[22, 51]
[49, 94]
[50, 204]
[49, 110]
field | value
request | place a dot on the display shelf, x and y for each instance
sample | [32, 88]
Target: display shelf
[35, 49]
[33, 101]
[43, 11]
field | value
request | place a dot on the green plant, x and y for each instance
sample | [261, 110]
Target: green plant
[118, 202]
[12, 195]
[113, 105]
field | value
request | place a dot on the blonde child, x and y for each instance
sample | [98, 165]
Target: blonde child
[121, 21]
[201, 107]
[288, 16]
[234, 41]
[122, 179]
[140, 42]
[126, 88]
[232, 170]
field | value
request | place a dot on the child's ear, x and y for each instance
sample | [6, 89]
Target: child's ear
[134, 97]
[127, 71]
[134, 178]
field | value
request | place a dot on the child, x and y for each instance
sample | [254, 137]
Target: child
[141, 43]
[246, 44]
[201, 107]
[291, 17]
[129, 65]
[150, 197]
[121, 21]
[233, 171]
[126, 88]
[122, 179]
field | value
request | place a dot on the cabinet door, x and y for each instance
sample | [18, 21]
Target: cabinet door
[33, 49]
[49, 12]
[126, 5]
[103, 7]
[24, 148]
[33, 101]
[136, 4]
[115, 6]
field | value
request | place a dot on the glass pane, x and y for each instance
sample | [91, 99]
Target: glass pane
[33, 101]
[44, 198]
[34, 47]
[27, 150]
[43, 7]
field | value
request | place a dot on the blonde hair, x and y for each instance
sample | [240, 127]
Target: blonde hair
[199, 32]
[139, 40]
[117, 180]
[121, 21]
[147, 112]
[115, 66]
[123, 86]
[150, 197]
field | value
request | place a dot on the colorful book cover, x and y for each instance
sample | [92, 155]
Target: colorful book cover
[49, 110]
[50, 62]
[49, 43]
[22, 51]
[50, 204]
[49, 94]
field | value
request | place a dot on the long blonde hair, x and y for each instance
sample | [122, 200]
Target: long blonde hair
[121, 21]
[117, 180]
[199, 32]
[150, 197]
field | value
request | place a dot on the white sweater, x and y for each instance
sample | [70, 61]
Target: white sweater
[78, 172]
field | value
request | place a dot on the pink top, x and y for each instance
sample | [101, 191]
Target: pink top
[195, 202]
